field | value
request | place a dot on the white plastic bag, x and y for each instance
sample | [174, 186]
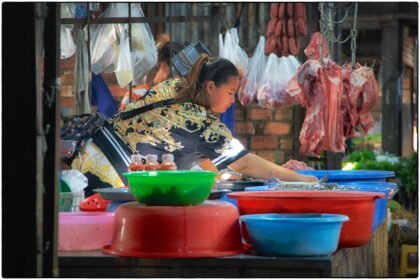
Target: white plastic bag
[233, 52]
[272, 91]
[77, 181]
[68, 48]
[105, 37]
[124, 71]
[247, 93]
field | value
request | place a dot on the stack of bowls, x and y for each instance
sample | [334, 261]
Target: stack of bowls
[357, 206]
[172, 219]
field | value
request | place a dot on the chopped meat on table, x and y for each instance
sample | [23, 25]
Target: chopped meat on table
[293, 164]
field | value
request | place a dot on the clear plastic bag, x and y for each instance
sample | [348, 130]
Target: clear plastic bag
[143, 49]
[272, 91]
[68, 47]
[247, 93]
[232, 51]
[124, 71]
[105, 37]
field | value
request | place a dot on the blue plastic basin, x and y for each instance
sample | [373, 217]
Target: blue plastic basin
[294, 234]
[335, 176]
[379, 215]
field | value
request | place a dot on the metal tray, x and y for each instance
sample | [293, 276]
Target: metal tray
[239, 185]
[116, 194]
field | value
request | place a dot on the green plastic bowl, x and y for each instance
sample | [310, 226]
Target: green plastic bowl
[175, 187]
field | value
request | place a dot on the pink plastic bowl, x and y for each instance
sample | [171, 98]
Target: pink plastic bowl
[82, 231]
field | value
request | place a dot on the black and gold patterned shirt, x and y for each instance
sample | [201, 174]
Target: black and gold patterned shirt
[189, 131]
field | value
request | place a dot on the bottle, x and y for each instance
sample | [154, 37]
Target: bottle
[136, 163]
[151, 163]
[168, 162]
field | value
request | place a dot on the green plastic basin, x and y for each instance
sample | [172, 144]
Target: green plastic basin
[175, 187]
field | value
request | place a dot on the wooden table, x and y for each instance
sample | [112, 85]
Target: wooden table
[369, 260]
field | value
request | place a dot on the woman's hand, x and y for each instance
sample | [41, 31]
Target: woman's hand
[258, 167]
[227, 177]
[309, 178]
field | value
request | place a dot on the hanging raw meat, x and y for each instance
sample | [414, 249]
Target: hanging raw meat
[360, 95]
[312, 50]
[370, 95]
[319, 89]
[296, 165]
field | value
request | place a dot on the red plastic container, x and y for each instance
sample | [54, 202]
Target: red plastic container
[210, 229]
[358, 206]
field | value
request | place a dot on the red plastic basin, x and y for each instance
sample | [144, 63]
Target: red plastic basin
[210, 229]
[358, 206]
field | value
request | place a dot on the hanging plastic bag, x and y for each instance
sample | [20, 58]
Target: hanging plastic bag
[103, 55]
[247, 93]
[240, 56]
[233, 52]
[273, 92]
[221, 46]
[68, 47]
[105, 37]
[124, 71]
[143, 49]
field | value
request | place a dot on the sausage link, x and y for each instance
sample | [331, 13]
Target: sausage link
[274, 8]
[282, 8]
[298, 10]
[271, 27]
[292, 46]
[290, 28]
[285, 46]
[283, 27]
[302, 29]
[277, 31]
[278, 45]
[289, 10]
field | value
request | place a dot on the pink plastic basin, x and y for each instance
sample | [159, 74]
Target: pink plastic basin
[81, 231]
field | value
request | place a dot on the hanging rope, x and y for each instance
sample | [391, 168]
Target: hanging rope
[353, 34]
[328, 12]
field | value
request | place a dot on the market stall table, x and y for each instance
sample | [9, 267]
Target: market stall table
[369, 260]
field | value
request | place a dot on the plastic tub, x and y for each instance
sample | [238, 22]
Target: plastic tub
[294, 234]
[210, 229]
[380, 203]
[358, 206]
[389, 189]
[175, 187]
[335, 176]
[81, 231]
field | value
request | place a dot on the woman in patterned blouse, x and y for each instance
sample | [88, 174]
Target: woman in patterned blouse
[183, 121]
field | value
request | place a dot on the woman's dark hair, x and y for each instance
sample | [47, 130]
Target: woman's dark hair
[165, 53]
[205, 69]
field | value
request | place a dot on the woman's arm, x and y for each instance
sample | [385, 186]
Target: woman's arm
[209, 166]
[258, 167]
